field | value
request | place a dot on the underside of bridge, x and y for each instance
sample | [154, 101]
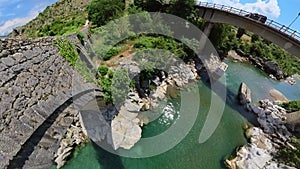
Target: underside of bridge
[278, 37]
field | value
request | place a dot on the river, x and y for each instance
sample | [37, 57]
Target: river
[189, 154]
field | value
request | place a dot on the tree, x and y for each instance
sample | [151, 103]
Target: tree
[120, 86]
[102, 11]
[182, 8]
[240, 33]
[254, 38]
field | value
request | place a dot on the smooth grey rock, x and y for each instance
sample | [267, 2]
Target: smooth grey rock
[2, 66]
[4, 53]
[132, 106]
[244, 94]
[18, 56]
[8, 61]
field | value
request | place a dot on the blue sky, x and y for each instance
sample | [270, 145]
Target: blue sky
[15, 13]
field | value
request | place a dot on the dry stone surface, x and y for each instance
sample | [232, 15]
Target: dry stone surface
[34, 81]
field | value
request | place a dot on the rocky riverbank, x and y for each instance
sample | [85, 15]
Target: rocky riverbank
[264, 141]
[126, 126]
[269, 67]
[73, 137]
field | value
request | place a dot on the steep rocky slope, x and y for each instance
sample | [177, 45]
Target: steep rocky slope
[60, 18]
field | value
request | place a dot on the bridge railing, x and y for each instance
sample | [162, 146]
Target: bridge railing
[271, 23]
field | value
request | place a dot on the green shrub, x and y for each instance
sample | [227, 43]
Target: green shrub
[80, 36]
[102, 11]
[291, 106]
[105, 84]
[110, 74]
[290, 156]
[120, 85]
[67, 50]
[112, 52]
[103, 70]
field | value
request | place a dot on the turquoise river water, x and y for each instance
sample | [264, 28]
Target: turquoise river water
[189, 154]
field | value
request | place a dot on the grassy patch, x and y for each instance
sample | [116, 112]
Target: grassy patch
[291, 106]
[68, 51]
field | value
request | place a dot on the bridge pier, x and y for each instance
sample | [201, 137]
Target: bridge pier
[207, 28]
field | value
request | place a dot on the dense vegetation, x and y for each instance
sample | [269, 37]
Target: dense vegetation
[289, 155]
[291, 106]
[102, 11]
[67, 16]
[69, 52]
[226, 38]
[63, 17]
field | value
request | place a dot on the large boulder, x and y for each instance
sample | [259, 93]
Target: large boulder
[274, 69]
[125, 129]
[244, 94]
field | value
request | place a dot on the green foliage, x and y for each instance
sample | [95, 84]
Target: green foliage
[63, 17]
[288, 155]
[254, 38]
[181, 8]
[110, 74]
[224, 37]
[113, 52]
[84, 71]
[102, 11]
[120, 85]
[105, 84]
[61, 26]
[80, 36]
[102, 70]
[115, 86]
[288, 63]
[291, 106]
[240, 32]
[160, 42]
[67, 50]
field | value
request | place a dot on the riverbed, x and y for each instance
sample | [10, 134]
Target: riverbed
[189, 153]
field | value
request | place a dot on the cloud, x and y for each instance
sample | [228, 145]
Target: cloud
[9, 25]
[269, 8]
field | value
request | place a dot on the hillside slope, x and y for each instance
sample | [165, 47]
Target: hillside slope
[63, 17]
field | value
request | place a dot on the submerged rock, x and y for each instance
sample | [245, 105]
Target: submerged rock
[277, 96]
